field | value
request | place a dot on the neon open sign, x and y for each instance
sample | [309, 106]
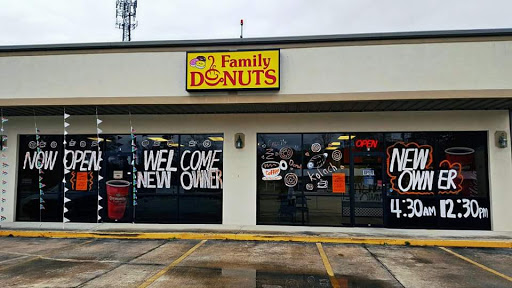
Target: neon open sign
[367, 143]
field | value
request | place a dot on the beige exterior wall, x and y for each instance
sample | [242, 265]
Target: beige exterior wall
[387, 71]
[239, 206]
[309, 73]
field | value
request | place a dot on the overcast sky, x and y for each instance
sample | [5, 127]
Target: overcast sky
[72, 21]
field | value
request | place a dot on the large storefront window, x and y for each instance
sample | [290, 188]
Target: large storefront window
[438, 180]
[403, 180]
[302, 179]
[367, 181]
[178, 178]
[43, 165]
[326, 178]
[280, 179]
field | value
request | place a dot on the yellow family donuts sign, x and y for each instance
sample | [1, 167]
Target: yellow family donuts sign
[233, 70]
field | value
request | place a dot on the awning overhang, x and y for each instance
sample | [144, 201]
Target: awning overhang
[288, 107]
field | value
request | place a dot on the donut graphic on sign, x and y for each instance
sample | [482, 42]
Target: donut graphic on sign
[291, 179]
[316, 147]
[198, 62]
[336, 155]
[286, 153]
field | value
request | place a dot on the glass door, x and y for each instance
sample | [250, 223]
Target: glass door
[368, 187]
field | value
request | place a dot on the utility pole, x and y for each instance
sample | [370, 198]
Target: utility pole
[126, 10]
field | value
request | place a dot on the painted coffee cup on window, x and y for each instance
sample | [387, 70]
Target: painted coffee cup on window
[465, 156]
[117, 193]
[272, 169]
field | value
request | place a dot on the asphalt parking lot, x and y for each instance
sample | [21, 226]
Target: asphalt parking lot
[38, 262]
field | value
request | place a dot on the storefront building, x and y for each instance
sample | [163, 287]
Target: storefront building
[407, 130]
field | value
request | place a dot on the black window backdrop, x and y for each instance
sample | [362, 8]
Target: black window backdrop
[51, 174]
[443, 181]
[178, 178]
[429, 179]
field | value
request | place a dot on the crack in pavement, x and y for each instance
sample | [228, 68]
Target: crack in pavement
[124, 263]
[38, 256]
[383, 266]
[12, 259]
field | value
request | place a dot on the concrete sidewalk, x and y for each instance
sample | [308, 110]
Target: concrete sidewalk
[415, 237]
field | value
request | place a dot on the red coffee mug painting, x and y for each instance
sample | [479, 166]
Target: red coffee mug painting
[117, 194]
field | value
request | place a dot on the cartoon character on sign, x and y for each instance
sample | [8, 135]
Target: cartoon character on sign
[198, 62]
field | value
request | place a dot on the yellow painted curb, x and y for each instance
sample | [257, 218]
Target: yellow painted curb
[260, 237]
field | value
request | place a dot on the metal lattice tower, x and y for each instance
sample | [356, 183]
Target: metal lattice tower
[126, 11]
